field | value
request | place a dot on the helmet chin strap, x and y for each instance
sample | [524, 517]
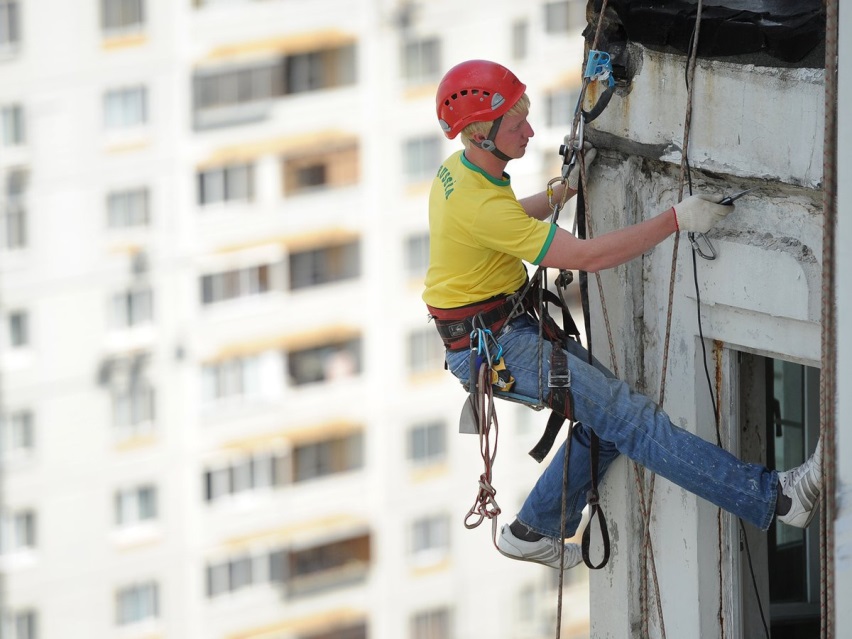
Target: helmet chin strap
[488, 143]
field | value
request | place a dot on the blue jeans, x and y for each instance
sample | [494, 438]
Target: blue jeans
[628, 423]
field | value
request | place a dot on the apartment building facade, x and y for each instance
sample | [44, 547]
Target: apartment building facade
[224, 414]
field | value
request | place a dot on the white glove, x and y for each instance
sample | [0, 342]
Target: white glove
[700, 213]
[589, 155]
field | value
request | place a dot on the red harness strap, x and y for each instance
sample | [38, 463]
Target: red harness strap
[456, 324]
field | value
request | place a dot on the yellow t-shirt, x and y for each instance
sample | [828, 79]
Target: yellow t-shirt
[479, 236]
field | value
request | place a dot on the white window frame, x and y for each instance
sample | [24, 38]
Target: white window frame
[19, 624]
[430, 538]
[421, 60]
[233, 284]
[122, 17]
[19, 333]
[14, 208]
[561, 104]
[421, 157]
[132, 307]
[417, 254]
[425, 351]
[14, 130]
[137, 602]
[226, 184]
[432, 624]
[128, 208]
[427, 442]
[10, 24]
[564, 16]
[126, 108]
[520, 39]
[19, 531]
[17, 433]
[136, 505]
[132, 394]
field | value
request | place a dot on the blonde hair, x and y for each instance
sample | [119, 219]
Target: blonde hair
[521, 107]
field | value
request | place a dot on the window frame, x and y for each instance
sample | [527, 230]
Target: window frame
[10, 25]
[137, 602]
[126, 108]
[421, 60]
[122, 17]
[13, 122]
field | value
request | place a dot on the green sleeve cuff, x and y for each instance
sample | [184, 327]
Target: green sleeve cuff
[546, 245]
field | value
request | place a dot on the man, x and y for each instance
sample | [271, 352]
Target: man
[480, 237]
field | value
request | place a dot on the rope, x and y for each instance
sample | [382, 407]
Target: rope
[485, 506]
[828, 382]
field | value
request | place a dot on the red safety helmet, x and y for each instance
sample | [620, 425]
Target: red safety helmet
[475, 91]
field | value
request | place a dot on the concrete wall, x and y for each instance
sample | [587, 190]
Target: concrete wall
[752, 127]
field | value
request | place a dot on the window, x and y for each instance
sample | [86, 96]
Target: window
[244, 570]
[19, 331]
[421, 60]
[19, 625]
[133, 407]
[328, 457]
[560, 106]
[425, 351]
[356, 631]
[328, 565]
[10, 16]
[431, 624]
[325, 363]
[781, 399]
[332, 168]
[231, 96]
[132, 307]
[229, 285]
[135, 505]
[417, 254]
[564, 16]
[259, 471]
[237, 377]
[14, 210]
[14, 132]
[430, 535]
[325, 265]
[520, 39]
[118, 16]
[229, 87]
[125, 108]
[793, 552]
[422, 157]
[127, 208]
[137, 603]
[18, 434]
[427, 442]
[231, 183]
[131, 392]
[17, 531]
[321, 69]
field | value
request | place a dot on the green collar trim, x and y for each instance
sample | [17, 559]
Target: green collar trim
[499, 182]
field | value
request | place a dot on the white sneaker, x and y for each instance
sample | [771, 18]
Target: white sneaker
[803, 485]
[544, 551]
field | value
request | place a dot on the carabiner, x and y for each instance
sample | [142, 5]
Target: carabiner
[693, 239]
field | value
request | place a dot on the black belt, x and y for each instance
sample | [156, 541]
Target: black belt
[456, 333]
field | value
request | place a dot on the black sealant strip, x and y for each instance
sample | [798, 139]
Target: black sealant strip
[787, 30]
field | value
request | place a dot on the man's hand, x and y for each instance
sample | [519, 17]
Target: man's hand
[700, 213]
[589, 155]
